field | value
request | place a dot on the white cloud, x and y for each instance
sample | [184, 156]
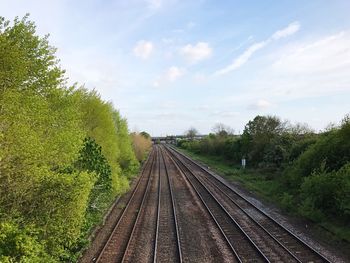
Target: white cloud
[259, 105]
[289, 30]
[196, 53]
[312, 68]
[242, 59]
[170, 75]
[143, 49]
[329, 54]
[245, 56]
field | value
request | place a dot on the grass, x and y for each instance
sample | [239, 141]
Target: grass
[263, 184]
[268, 187]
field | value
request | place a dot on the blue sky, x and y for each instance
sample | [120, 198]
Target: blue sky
[169, 64]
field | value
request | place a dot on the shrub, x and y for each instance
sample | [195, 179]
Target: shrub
[326, 193]
[331, 148]
[141, 144]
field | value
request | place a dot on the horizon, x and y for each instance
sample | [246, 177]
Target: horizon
[171, 65]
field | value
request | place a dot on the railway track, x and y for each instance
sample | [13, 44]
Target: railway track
[275, 241]
[242, 246]
[115, 247]
[199, 237]
[147, 229]
[181, 212]
[142, 241]
[168, 248]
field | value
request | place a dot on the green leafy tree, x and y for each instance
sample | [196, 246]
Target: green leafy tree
[57, 145]
[257, 136]
[21, 244]
[331, 148]
[27, 61]
[127, 158]
[92, 160]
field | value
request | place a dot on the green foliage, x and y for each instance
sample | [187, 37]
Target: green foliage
[99, 124]
[326, 193]
[92, 160]
[37, 139]
[262, 141]
[21, 244]
[27, 60]
[127, 158]
[64, 155]
[266, 142]
[109, 130]
[310, 171]
[287, 201]
[61, 209]
[332, 148]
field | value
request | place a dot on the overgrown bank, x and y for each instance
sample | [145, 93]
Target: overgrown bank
[65, 154]
[307, 174]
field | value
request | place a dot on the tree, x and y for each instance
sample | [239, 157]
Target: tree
[300, 129]
[331, 148]
[258, 134]
[27, 61]
[57, 144]
[127, 158]
[222, 130]
[191, 133]
[40, 137]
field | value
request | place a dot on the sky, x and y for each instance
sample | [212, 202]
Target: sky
[169, 65]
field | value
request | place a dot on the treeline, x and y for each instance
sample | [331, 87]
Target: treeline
[313, 169]
[64, 152]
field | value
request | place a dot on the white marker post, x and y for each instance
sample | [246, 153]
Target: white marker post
[243, 163]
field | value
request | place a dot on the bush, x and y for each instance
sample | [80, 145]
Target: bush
[141, 144]
[326, 194]
[287, 202]
[331, 148]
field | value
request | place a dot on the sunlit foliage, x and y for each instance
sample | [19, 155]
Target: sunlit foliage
[58, 146]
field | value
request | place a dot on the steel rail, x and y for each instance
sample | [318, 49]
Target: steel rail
[211, 214]
[158, 215]
[139, 213]
[251, 218]
[148, 163]
[245, 236]
[225, 184]
[173, 207]
[220, 191]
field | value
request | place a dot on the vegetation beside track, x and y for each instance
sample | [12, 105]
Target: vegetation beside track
[305, 173]
[65, 154]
